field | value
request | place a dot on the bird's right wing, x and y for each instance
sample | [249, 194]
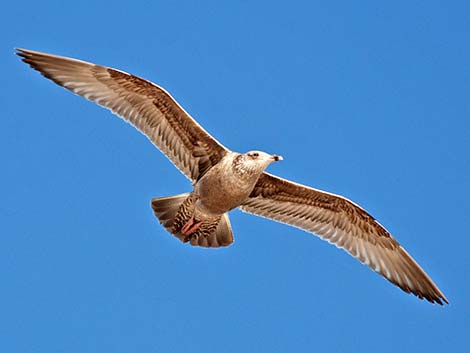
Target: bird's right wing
[140, 102]
[344, 224]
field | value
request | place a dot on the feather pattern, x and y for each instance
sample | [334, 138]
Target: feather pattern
[344, 224]
[143, 104]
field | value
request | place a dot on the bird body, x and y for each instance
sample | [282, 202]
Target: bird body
[230, 182]
[223, 180]
[224, 187]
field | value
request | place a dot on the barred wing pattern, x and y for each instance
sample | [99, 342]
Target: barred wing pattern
[344, 224]
[145, 105]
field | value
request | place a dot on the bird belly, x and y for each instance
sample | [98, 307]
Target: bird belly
[219, 194]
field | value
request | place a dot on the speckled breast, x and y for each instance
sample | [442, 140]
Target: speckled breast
[222, 190]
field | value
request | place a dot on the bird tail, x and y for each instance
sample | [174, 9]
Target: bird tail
[169, 209]
[166, 209]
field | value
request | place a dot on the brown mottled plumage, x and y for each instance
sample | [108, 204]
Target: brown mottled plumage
[224, 180]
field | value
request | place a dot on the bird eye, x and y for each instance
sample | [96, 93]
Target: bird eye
[255, 154]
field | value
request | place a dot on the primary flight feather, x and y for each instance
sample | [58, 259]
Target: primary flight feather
[224, 180]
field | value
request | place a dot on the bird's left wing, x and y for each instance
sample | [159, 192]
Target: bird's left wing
[344, 224]
[140, 102]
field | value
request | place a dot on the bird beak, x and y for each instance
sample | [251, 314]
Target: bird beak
[276, 158]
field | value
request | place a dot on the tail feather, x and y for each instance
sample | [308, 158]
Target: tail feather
[166, 209]
[222, 236]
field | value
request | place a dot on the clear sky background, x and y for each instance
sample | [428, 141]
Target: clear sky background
[369, 100]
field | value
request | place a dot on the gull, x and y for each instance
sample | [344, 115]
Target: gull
[224, 180]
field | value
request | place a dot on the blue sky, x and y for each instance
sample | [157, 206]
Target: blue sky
[367, 100]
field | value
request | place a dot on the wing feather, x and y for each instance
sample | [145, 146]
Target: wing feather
[143, 104]
[344, 224]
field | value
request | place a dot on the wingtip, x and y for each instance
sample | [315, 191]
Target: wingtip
[19, 50]
[22, 53]
[434, 298]
[445, 301]
[25, 53]
[440, 299]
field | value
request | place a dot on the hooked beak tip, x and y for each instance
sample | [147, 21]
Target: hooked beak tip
[277, 158]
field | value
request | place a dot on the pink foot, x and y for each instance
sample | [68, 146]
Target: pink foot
[190, 227]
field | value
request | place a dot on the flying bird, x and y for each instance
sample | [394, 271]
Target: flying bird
[224, 180]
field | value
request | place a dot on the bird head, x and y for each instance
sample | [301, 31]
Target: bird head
[258, 161]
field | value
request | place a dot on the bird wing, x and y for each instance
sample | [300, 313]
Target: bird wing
[143, 104]
[344, 224]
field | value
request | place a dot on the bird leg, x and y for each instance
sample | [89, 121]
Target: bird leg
[191, 226]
